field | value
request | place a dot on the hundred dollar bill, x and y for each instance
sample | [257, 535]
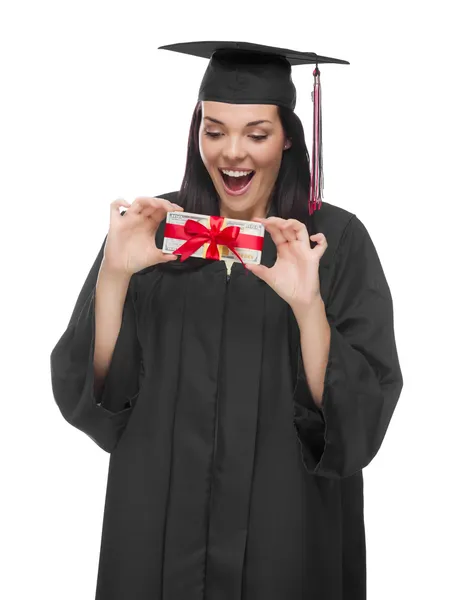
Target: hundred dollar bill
[248, 255]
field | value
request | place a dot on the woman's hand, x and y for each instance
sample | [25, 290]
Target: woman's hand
[131, 244]
[295, 274]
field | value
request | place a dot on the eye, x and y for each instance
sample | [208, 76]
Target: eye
[256, 138]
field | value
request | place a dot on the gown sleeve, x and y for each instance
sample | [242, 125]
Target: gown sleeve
[104, 416]
[363, 379]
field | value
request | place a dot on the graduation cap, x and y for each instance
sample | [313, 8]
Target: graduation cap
[247, 73]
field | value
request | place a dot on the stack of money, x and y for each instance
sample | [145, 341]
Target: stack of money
[247, 228]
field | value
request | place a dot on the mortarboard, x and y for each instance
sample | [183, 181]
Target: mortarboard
[247, 73]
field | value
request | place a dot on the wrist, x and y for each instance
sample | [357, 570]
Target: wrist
[109, 272]
[304, 311]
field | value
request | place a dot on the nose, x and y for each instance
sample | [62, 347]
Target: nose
[233, 150]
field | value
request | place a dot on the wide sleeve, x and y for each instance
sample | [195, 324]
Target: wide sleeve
[102, 418]
[363, 379]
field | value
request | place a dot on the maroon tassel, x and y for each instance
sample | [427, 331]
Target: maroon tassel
[317, 176]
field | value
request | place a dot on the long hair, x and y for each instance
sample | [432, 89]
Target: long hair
[289, 197]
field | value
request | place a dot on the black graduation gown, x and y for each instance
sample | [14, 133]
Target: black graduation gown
[225, 481]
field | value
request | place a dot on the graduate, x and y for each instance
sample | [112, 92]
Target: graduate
[239, 403]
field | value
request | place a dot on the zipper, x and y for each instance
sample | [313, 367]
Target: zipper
[228, 276]
[214, 451]
[228, 265]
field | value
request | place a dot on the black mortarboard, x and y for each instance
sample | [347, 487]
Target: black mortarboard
[247, 73]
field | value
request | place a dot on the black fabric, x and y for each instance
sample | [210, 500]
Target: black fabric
[248, 73]
[225, 481]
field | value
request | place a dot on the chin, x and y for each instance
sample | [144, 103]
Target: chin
[237, 204]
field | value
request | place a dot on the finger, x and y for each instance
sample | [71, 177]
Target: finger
[320, 238]
[287, 231]
[116, 206]
[119, 202]
[160, 211]
[300, 230]
[160, 214]
[290, 230]
[164, 257]
[168, 257]
[284, 230]
[293, 230]
[274, 228]
[142, 202]
[155, 209]
[298, 226]
[260, 271]
[322, 244]
[136, 207]
[120, 199]
[276, 220]
[153, 214]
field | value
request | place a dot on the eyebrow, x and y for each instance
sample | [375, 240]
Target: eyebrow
[251, 124]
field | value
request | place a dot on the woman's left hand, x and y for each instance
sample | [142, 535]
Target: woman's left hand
[295, 274]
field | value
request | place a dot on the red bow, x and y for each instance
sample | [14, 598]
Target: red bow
[199, 235]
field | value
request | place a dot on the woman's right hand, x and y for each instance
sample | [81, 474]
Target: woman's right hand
[131, 243]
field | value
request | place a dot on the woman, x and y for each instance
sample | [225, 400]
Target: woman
[239, 410]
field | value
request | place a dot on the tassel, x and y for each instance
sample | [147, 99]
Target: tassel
[317, 175]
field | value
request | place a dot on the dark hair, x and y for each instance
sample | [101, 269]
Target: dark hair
[289, 198]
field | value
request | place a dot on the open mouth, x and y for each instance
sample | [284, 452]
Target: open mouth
[236, 184]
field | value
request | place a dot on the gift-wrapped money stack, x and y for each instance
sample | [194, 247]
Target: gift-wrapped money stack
[213, 237]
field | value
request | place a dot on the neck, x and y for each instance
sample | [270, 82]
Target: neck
[244, 215]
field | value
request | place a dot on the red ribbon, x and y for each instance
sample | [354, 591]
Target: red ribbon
[198, 234]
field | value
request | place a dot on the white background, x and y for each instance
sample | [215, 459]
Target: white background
[90, 111]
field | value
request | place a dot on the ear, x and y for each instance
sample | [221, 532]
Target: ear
[287, 145]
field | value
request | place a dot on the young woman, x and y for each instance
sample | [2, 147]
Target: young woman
[238, 409]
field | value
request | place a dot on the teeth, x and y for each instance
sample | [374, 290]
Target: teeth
[236, 173]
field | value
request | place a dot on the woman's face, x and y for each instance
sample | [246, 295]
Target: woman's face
[242, 138]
